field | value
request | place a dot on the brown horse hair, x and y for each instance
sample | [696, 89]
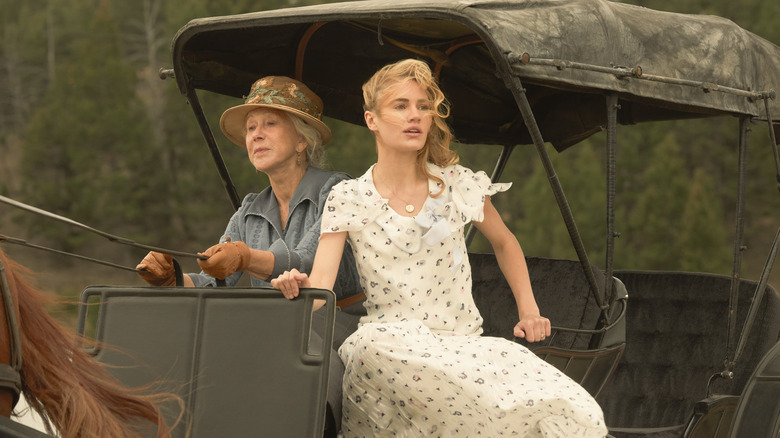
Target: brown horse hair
[73, 393]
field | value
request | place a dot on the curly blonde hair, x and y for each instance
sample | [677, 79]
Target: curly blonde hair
[437, 145]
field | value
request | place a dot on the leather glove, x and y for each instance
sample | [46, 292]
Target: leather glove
[159, 269]
[225, 259]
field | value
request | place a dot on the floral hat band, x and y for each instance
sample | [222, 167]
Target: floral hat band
[277, 92]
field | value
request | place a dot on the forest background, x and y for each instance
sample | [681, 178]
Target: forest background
[90, 132]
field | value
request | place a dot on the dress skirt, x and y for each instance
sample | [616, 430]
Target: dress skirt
[403, 380]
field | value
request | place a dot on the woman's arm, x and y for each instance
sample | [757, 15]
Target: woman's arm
[261, 264]
[281, 255]
[324, 270]
[511, 260]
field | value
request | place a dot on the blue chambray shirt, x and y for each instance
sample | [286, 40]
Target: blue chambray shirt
[257, 224]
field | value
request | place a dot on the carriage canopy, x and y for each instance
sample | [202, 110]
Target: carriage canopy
[566, 53]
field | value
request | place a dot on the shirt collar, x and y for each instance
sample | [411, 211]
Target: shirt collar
[265, 204]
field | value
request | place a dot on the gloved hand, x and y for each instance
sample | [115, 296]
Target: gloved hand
[225, 259]
[159, 269]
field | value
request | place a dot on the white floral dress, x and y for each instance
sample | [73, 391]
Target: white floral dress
[417, 365]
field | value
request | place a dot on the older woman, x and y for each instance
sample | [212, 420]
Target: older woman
[278, 229]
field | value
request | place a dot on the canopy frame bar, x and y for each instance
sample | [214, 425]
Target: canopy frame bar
[637, 73]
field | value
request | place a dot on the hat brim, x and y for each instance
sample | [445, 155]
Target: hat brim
[233, 121]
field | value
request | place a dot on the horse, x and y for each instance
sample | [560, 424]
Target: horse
[73, 393]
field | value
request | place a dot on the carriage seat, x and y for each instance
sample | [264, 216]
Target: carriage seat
[564, 296]
[675, 341]
[561, 291]
[238, 357]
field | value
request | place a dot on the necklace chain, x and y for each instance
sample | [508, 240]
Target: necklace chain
[409, 206]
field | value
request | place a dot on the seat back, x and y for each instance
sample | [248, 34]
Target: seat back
[564, 296]
[676, 340]
[240, 358]
[561, 291]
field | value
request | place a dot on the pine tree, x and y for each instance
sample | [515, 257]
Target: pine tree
[80, 137]
[653, 224]
[703, 239]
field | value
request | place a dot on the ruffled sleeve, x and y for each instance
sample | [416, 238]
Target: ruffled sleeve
[467, 191]
[462, 201]
[350, 206]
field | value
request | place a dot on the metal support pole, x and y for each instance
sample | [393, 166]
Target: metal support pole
[744, 128]
[758, 297]
[514, 84]
[192, 98]
[612, 108]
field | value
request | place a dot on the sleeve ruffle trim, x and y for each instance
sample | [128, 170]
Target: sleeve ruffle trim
[465, 201]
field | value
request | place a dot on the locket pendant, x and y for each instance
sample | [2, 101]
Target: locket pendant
[409, 208]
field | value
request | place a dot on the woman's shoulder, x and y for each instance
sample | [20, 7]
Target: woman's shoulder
[322, 177]
[352, 204]
[363, 183]
[319, 182]
[455, 170]
[255, 202]
[250, 198]
[456, 174]
[348, 189]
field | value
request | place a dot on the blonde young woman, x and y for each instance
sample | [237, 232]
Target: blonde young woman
[417, 365]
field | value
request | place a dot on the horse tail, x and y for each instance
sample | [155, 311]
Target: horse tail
[72, 392]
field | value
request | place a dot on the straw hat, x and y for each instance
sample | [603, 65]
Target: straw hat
[278, 92]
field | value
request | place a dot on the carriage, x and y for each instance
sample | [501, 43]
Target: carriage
[649, 345]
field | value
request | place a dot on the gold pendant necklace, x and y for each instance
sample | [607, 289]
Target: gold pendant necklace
[409, 206]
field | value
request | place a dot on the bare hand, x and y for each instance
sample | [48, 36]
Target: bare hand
[158, 269]
[533, 328]
[225, 259]
[290, 283]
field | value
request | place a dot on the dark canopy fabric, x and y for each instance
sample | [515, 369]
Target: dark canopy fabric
[578, 50]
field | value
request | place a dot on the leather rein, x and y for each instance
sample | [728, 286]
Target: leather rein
[10, 374]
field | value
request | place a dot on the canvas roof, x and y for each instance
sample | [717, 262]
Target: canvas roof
[691, 65]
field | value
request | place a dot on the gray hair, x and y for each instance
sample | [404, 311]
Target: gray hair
[315, 152]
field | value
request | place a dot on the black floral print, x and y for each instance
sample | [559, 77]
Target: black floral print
[417, 365]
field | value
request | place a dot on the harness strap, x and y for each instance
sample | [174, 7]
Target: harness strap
[22, 242]
[108, 236]
[180, 275]
[178, 272]
[10, 374]
[11, 380]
